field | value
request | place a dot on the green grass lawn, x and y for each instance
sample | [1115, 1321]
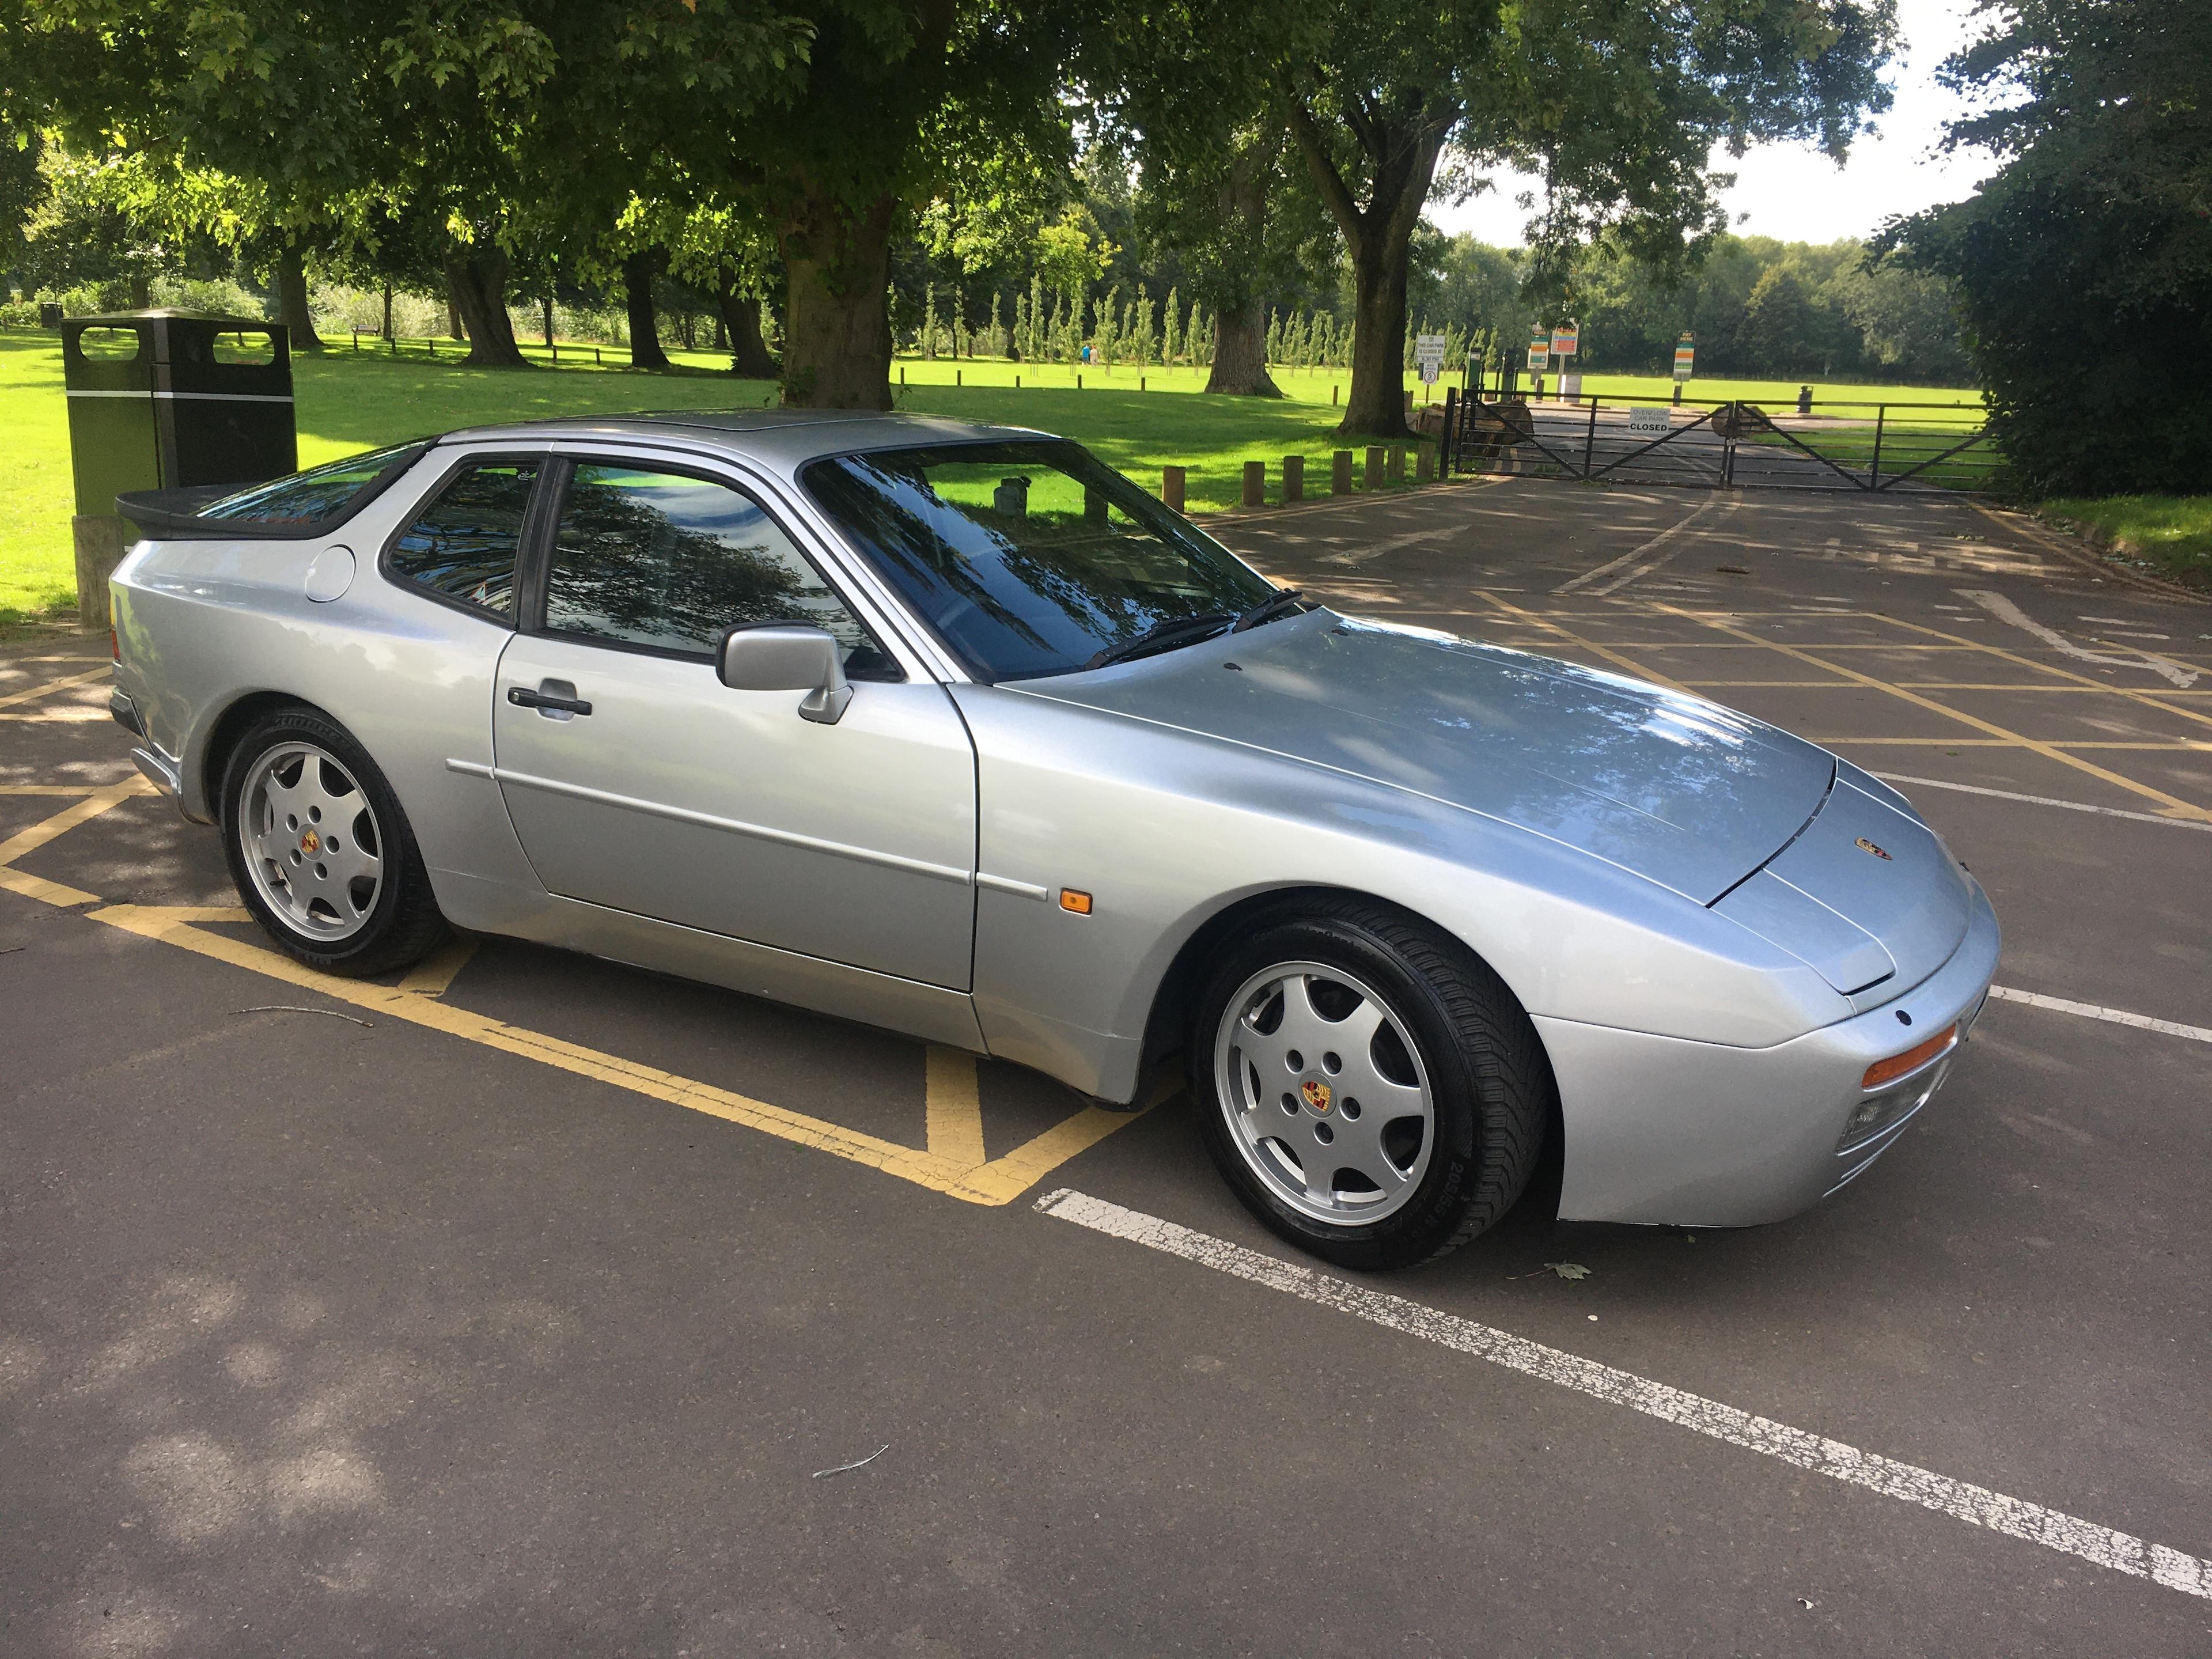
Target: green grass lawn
[2172, 534]
[1136, 421]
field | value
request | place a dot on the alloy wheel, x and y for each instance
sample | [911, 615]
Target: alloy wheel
[1325, 1093]
[311, 842]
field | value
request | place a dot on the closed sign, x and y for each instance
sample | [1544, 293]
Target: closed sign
[1647, 423]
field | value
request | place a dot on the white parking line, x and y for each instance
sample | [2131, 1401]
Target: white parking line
[2091, 1011]
[2004, 610]
[1635, 553]
[1962, 1501]
[2046, 800]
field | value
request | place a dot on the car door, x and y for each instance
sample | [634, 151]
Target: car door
[658, 791]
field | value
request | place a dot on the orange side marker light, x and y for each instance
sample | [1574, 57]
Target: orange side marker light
[1887, 1071]
[1075, 903]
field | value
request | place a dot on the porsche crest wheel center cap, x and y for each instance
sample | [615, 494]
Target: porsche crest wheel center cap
[310, 842]
[1317, 1095]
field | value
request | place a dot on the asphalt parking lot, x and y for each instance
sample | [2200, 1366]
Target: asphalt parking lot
[526, 1305]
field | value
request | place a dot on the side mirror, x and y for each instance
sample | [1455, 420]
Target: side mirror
[787, 657]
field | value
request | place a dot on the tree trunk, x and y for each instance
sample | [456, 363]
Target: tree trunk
[546, 301]
[476, 290]
[1377, 402]
[1403, 160]
[387, 310]
[292, 300]
[1240, 353]
[141, 291]
[645, 350]
[837, 325]
[749, 358]
[1240, 346]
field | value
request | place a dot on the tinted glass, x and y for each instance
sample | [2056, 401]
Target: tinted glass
[321, 492]
[464, 543]
[661, 560]
[1028, 558]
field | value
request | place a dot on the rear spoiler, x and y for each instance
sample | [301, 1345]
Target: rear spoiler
[171, 515]
[174, 514]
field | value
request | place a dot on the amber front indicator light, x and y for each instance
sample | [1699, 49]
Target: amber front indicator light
[1888, 1071]
[1079, 903]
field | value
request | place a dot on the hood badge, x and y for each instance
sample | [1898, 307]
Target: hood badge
[1316, 1094]
[1866, 845]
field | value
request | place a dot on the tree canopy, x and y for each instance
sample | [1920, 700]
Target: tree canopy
[2084, 264]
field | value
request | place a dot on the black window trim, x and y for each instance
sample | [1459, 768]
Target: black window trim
[533, 522]
[537, 581]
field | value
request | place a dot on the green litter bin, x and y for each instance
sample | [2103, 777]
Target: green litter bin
[164, 400]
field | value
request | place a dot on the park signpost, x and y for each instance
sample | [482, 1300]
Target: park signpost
[1428, 353]
[1686, 356]
[1566, 340]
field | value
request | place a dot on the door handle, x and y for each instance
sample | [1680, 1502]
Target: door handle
[546, 702]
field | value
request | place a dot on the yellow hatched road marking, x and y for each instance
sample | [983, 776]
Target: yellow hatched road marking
[994, 1182]
[2083, 680]
[955, 1106]
[1612, 656]
[953, 1162]
[62, 684]
[433, 975]
[2176, 807]
[91, 805]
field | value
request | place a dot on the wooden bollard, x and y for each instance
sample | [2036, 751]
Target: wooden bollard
[1255, 483]
[1078, 383]
[1333, 390]
[1141, 383]
[1340, 473]
[1294, 478]
[957, 374]
[1171, 486]
[1397, 464]
[1375, 465]
[1424, 465]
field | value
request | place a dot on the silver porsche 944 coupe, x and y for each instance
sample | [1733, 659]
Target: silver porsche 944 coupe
[952, 730]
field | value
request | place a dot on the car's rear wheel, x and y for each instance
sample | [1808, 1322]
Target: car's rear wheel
[319, 850]
[1368, 1087]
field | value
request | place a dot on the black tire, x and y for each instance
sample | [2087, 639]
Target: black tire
[404, 925]
[1490, 1084]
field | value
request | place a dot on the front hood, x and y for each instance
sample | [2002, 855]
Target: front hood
[1686, 793]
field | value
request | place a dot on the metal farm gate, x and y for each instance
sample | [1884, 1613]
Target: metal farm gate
[1808, 444]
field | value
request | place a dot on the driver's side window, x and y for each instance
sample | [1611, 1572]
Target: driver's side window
[667, 561]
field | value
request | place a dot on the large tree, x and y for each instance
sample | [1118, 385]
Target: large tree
[895, 100]
[2085, 264]
[1220, 178]
[1618, 104]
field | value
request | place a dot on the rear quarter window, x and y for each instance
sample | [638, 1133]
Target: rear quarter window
[466, 540]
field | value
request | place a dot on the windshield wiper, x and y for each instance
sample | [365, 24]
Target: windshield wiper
[1277, 603]
[1164, 636]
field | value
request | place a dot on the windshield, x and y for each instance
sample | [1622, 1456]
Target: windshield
[1028, 558]
[321, 492]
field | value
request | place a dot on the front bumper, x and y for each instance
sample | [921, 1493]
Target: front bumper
[1661, 1130]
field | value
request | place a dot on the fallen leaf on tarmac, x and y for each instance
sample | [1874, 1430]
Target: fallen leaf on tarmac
[1808, 1606]
[1732, 569]
[1569, 1269]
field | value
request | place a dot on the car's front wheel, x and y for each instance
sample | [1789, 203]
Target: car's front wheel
[1368, 1087]
[319, 850]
